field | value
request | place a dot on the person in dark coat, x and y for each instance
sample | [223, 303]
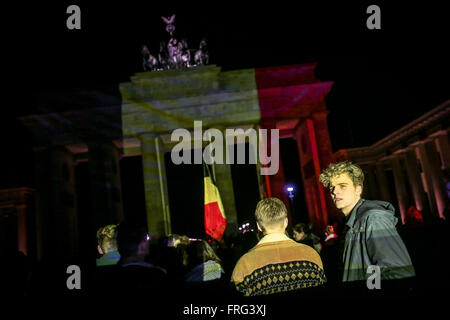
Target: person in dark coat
[135, 273]
[371, 239]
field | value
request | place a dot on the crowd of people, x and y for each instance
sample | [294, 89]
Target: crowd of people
[275, 260]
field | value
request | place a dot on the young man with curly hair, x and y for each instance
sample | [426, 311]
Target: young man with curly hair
[371, 238]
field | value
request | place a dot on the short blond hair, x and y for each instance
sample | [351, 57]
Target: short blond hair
[270, 211]
[106, 238]
[336, 169]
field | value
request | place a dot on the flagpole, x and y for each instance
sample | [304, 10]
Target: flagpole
[215, 219]
[213, 165]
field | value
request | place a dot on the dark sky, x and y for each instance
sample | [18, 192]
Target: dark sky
[383, 78]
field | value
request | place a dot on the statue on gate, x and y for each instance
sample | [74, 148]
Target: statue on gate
[176, 55]
[201, 56]
[149, 61]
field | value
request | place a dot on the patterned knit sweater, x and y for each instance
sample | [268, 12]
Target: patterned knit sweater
[278, 266]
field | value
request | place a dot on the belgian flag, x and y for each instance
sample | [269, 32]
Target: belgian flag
[215, 220]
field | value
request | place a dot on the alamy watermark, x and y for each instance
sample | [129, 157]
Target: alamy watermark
[74, 280]
[374, 281]
[74, 20]
[374, 20]
[214, 151]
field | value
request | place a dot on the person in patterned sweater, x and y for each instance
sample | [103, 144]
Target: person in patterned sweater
[277, 263]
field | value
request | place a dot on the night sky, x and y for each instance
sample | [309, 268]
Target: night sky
[383, 79]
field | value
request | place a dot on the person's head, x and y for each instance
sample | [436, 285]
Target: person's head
[132, 241]
[199, 252]
[300, 231]
[345, 181]
[413, 217]
[106, 239]
[271, 215]
[330, 229]
[175, 240]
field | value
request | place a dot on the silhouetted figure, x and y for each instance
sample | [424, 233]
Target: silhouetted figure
[330, 255]
[202, 262]
[134, 272]
[169, 253]
[413, 218]
[302, 233]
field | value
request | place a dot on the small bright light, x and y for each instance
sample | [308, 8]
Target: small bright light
[148, 237]
[290, 189]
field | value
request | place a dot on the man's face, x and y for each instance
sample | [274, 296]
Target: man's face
[329, 230]
[344, 194]
[298, 236]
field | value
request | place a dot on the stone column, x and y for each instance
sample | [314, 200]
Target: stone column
[106, 191]
[323, 138]
[261, 178]
[310, 170]
[43, 205]
[433, 177]
[56, 219]
[400, 187]
[8, 228]
[16, 221]
[155, 185]
[64, 172]
[444, 149]
[224, 182]
[262, 183]
[372, 182]
[324, 150]
[22, 230]
[276, 183]
[415, 180]
[382, 183]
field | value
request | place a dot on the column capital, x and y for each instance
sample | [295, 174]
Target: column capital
[439, 133]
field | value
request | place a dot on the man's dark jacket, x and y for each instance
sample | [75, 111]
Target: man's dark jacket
[373, 240]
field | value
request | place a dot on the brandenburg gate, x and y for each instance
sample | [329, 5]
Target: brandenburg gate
[154, 104]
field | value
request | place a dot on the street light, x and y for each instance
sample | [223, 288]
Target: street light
[290, 190]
